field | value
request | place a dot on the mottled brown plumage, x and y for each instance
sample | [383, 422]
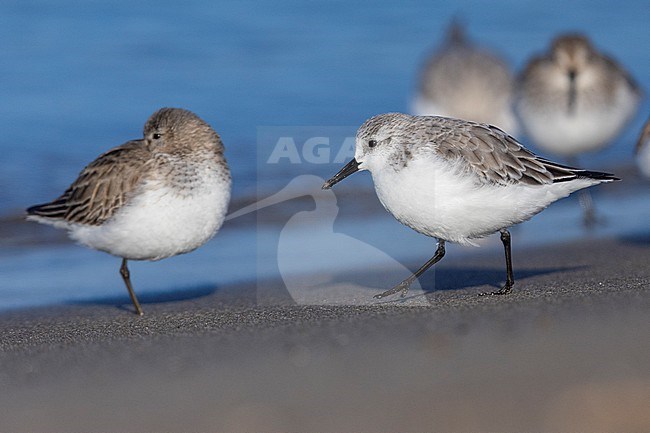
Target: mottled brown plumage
[107, 183]
[148, 199]
[101, 188]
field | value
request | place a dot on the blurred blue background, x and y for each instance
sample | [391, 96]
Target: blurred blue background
[79, 77]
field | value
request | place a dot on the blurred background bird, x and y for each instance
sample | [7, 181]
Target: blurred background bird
[466, 81]
[574, 99]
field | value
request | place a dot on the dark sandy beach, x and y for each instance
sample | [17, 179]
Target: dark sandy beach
[567, 350]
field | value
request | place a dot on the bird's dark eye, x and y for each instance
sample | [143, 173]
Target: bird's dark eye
[156, 136]
[372, 143]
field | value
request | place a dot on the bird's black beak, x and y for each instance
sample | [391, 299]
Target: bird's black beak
[350, 167]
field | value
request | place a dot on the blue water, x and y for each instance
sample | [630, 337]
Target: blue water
[78, 77]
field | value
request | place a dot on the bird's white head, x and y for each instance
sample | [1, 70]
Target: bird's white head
[383, 139]
[380, 140]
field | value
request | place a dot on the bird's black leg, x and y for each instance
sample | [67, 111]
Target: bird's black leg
[124, 271]
[404, 285]
[510, 279]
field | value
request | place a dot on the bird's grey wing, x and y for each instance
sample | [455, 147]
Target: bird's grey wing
[497, 158]
[101, 188]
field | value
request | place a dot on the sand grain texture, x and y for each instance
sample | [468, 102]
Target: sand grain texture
[567, 350]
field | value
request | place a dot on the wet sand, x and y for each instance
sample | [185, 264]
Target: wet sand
[567, 350]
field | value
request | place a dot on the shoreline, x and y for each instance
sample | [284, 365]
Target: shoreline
[457, 278]
[33, 272]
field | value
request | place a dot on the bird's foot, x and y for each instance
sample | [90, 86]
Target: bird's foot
[402, 287]
[502, 291]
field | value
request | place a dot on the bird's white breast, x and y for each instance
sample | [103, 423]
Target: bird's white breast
[160, 221]
[441, 200]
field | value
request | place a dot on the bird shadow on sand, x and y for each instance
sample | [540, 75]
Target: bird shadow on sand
[123, 302]
[488, 279]
[434, 281]
[460, 278]
[444, 279]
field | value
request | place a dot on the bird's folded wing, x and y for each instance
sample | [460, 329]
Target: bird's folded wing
[497, 158]
[101, 188]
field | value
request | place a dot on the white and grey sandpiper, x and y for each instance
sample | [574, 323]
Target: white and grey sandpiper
[575, 99]
[467, 81]
[642, 150]
[457, 180]
[148, 199]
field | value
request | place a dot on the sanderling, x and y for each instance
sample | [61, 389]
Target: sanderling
[642, 150]
[457, 180]
[148, 199]
[574, 99]
[466, 81]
